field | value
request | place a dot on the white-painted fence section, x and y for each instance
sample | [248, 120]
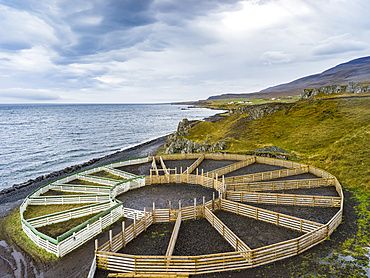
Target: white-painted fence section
[119, 173]
[68, 214]
[67, 199]
[75, 188]
[100, 180]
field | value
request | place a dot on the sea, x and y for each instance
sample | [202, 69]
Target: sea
[37, 139]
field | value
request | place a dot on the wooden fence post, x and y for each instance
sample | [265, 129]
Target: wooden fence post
[123, 234]
[202, 177]
[213, 201]
[134, 225]
[144, 218]
[169, 211]
[96, 245]
[204, 205]
[110, 240]
[195, 208]
[153, 212]
[179, 205]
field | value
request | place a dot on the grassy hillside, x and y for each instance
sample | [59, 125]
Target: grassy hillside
[332, 134]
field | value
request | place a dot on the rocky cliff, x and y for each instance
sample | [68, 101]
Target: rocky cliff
[176, 143]
[354, 87]
[259, 111]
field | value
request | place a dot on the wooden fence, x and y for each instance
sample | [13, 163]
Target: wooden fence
[273, 217]
[280, 185]
[196, 163]
[202, 180]
[267, 175]
[175, 232]
[315, 233]
[243, 258]
[232, 167]
[283, 199]
[225, 232]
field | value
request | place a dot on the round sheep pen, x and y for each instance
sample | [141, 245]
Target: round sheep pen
[241, 191]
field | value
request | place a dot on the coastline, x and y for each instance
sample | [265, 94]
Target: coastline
[13, 196]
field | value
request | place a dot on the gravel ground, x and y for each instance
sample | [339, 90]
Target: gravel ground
[142, 169]
[197, 237]
[172, 164]
[153, 241]
[162, 193]
[210, 164]
[255, 233]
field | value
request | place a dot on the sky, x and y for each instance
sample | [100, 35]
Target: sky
[135, 51]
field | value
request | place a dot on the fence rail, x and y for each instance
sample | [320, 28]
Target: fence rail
[283, 199]
[233, 167]
[280, 185]
[267, 175]
[196, 163]
[276, 218]
[202, 180]
[225, 232]
[175, 232]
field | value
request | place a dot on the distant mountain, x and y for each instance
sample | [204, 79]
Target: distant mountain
[355, 70]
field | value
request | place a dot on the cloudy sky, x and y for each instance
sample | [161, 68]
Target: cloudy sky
[82, 51]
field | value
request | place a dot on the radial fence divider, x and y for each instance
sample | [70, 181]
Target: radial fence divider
[233, 167]
[280, 185]
[175, 232]
[66, 215]
[100, 180]
[163, 166]
[68, 199]
[154, 166]
[119, 173]
[279, 162]
[284, 199]
[195, 164]
[267, 175]
[276, 218]
[77, 188]
[128, 162]
[225, 232]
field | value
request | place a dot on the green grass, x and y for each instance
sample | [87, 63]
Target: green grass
[36, 211]
[11, 231]
[108, 175]
[58, 229]
[52, 192]
[223, 103]
[330, 134]
[81, 182]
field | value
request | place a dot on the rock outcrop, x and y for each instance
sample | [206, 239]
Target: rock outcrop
[177, 144]
[354, 87]
[259, 111]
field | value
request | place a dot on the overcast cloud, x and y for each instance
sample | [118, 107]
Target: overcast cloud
[167, 50]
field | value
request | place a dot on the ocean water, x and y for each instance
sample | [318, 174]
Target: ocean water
[37, 139]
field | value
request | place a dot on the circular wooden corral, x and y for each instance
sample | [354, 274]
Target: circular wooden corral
[232, 191]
